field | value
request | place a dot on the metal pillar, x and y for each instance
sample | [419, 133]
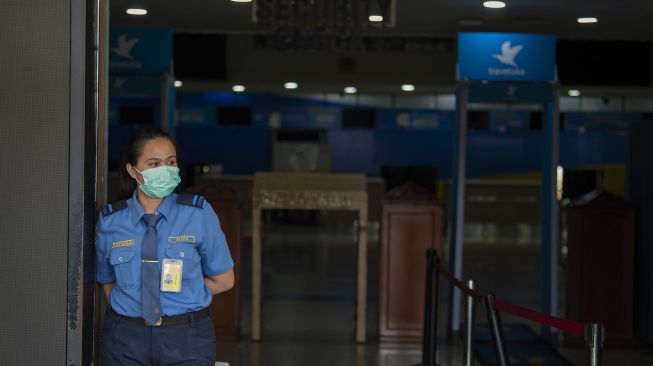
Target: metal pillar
[458, 201]
[168, 104]
[496, 331]
[468, 356]
[550, 212]
[430, 335]
[594, 337]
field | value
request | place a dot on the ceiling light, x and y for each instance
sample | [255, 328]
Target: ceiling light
[574, 93]
[376, 18]
[136, 11]
[178, 83]
[350, 90]
[494, 4]
[587, 20]
[242, 1]
[238, 88]
[290, 85]
[408, 87]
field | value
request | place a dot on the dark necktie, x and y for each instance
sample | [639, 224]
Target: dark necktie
[150, 271]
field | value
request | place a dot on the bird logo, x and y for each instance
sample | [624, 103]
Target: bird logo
[508, 54]
[125, 46]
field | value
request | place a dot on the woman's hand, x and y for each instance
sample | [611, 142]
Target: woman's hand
[220, 283]
[107, 290]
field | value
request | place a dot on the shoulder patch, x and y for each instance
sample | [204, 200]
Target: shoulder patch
[190, 200]
[112, 208]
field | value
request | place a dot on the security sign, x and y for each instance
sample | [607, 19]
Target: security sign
[506, 56]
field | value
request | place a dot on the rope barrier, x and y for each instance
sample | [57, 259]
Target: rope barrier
[460, 285]
[594, 333]
[552, 321]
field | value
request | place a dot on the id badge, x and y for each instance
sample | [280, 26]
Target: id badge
[171, 275]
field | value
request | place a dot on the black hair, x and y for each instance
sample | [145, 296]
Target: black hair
[133, 151]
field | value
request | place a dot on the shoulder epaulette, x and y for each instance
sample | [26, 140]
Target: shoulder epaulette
[190, 200]
[112, 208]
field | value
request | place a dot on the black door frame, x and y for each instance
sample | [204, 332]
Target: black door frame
[82, 181]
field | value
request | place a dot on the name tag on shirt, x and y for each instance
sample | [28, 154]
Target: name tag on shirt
[181, 238]
[171, 272]
[122, 243]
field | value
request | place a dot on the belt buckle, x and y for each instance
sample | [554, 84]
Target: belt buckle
[157, 324]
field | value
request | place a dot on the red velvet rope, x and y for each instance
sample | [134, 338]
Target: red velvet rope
[552, 321]
[456, 282]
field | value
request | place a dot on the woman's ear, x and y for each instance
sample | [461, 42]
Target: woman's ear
[131, 170]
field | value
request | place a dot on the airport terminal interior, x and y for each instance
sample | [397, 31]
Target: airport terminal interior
[342, 141]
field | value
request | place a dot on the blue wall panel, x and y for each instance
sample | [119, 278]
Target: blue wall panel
[604, 121]
[431, 119]
[247, 150]
[492, 153]
[426, 142]
[352, 151]
[426, 148]
[239, 150]
[509, 120]
[118, 137]
[592, 148]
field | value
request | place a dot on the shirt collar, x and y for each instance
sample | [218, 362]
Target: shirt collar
[137, 211]
[166, 206]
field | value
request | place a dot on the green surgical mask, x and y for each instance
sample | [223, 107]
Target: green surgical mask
[160, 181]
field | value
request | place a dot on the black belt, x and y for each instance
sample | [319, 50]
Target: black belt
[168, 320]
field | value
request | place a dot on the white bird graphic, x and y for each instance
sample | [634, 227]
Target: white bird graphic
[125, 46]
[508, 54]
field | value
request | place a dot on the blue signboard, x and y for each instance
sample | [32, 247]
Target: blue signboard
[140, 50]
[506, 56]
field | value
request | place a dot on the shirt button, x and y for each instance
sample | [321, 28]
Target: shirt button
[181, 254]
[157, 213]
[120, 259]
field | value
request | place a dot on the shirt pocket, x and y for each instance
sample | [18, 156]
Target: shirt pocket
[188, 254]
[125, 267]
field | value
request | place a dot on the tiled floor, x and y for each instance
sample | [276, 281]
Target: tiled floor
[309, 296]
[299, 353]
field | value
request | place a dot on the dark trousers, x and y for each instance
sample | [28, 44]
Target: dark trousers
[125, 343]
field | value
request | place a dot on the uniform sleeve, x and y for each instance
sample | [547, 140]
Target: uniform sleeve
[105, 273]
[216, 258]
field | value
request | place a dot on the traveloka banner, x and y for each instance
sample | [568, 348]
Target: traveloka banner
[506, 56]
[140, 50]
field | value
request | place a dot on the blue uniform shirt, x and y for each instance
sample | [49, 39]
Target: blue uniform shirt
[186, 232]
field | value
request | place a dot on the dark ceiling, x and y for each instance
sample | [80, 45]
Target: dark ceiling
[618, 19]
[430, 25]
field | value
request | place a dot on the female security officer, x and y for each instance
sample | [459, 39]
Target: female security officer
[160, 257]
